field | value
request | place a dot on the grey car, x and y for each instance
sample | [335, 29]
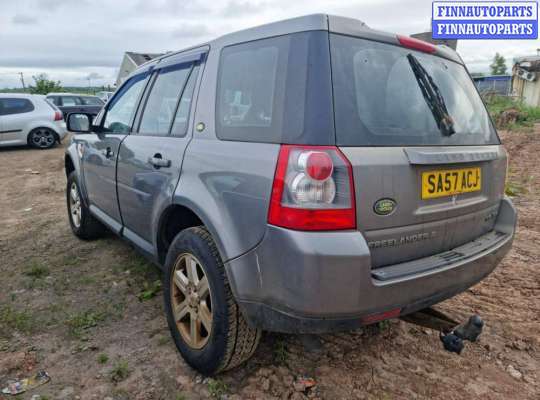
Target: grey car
[306, 176]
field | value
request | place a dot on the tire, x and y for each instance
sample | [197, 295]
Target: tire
[42, 138]
[231, 341]
[82, 223]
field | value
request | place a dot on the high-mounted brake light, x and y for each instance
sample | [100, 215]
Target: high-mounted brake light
[58, 116]
[313, 189]
[416, 44]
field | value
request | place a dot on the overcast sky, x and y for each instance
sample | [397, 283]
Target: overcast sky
[72, 40]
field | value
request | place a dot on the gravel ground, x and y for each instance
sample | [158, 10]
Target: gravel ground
[91, 315]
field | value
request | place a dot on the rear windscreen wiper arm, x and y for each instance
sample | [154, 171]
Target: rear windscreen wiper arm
[433, 97]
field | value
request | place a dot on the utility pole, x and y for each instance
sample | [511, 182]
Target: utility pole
[22, 80]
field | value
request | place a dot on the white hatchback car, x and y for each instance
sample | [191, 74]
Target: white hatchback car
[27, 119]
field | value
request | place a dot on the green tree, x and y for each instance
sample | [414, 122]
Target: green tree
[43, 85]
[498, 66]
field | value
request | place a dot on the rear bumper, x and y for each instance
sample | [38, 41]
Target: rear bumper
[61, 129]
[314, 282]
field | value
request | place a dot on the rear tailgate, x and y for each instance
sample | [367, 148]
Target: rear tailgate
[401, 114]
[418, 227]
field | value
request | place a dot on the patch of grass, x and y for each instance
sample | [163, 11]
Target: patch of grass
[217, 388]
[513, 189]
[13, 320]
[120, 371]
[180, 397]
[36, 270]
[82, 321]
[163, 340]
[87, 280]
[280, 351]
[526, 115]
[139, 266]
[102, 358]
[384, 325]
[150, 290]
[71, 260]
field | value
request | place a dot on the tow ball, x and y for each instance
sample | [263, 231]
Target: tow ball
[452, 333]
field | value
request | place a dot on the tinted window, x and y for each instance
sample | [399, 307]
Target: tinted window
[276, 90]
[54, 99]
[15, 106]
[389, 95]
[181, 119]
[91, 101]
[71, 101]
[163, 99]
[121, 108]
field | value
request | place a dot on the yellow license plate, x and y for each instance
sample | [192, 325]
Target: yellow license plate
[450, 182]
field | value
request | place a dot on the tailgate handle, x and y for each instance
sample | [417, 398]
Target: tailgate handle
[424, 156]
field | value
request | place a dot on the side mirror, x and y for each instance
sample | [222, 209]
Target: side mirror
[79, 123]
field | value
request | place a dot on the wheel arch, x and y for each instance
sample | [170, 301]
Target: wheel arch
[177, 217]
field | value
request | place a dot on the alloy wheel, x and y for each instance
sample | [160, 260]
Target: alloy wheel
[75, 205]
[191, 301]
[42, 138]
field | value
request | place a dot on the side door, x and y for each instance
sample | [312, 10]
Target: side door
[14, 116]
[101, 151]
[150, 159]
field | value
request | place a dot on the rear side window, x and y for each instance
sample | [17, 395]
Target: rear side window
[181, 120]
[163, 99]
[15, 106]
[386, 95]
[54, 100]
[276, 90]
[91, 101]
[71, 101]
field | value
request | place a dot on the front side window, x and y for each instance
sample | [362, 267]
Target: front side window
[15, 106]
[122, 107]
[386, 95]
[163, 99]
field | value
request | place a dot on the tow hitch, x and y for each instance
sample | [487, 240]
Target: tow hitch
[452, 333]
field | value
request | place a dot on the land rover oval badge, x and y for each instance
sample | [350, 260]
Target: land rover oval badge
[384, 206]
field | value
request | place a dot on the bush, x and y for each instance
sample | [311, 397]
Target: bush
[509, 113]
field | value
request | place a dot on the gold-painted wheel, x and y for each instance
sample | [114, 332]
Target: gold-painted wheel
[191, 301]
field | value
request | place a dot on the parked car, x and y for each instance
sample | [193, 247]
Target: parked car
[104, 95]
[29, 119]
[316, 176]
[69, 102]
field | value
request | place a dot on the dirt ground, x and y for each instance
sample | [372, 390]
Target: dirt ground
[91, 315]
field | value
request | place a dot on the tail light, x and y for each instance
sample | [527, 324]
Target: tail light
[58, 116]
[416, 44]
[313, 189]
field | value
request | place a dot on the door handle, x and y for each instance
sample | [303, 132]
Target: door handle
[158, 162]
[108, 153]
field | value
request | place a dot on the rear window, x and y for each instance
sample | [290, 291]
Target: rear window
[276, 90]
[386, 95]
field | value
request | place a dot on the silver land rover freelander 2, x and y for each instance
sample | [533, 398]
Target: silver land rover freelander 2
[306, 176]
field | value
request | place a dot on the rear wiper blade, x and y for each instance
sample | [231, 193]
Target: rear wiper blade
[433, 97]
